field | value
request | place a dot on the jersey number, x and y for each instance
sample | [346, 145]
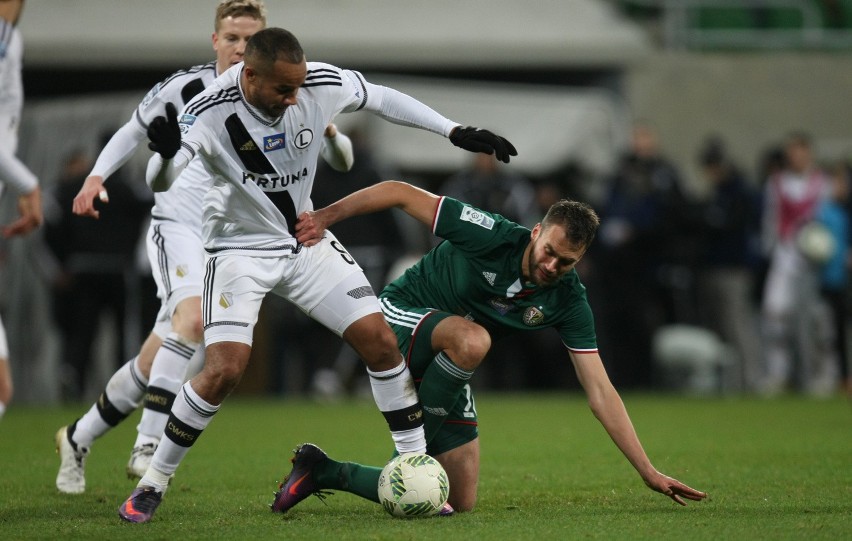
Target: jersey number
[343, 253]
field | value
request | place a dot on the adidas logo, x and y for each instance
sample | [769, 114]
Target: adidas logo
[249, 145]
[490, 277]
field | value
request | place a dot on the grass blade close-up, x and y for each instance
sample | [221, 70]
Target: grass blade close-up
[774, 469]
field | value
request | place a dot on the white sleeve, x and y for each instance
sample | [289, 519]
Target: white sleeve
[337, 152]
[14, 172]
[161, 174]
[393, 105]
[399, 108]
[119, 149]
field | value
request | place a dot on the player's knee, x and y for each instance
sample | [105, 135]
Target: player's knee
[470, 346]
[378, 348]
[188, 324]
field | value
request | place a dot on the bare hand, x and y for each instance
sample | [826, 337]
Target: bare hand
[32, 216]
[84, 201]
[310, 228]
[673, 488]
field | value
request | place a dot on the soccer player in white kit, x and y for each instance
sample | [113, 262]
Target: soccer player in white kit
[176, 255]
[255, 130]
[12, 170]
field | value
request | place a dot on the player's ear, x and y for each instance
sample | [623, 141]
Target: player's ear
[536, 231]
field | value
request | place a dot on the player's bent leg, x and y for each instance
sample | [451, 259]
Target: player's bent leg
[462, 467]
[463, 341]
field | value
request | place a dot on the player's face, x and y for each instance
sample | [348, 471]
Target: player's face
[274, 89]
[230, 40]
[549, 255]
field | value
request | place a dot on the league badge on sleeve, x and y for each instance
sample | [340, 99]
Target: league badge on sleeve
[470, 214]
[185, 121]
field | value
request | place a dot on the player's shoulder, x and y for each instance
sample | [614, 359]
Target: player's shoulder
[223, 92]
[322, 77]
[182, 85]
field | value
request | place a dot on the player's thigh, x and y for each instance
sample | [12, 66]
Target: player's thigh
[326, 283]
[176, 254]
[462, 467]
[234, 288]
[186, 319]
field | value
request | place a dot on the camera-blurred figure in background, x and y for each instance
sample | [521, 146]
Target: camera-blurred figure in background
[793, 328]
[728, 229]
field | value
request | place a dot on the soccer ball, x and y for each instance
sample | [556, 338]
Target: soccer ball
[413, 485]
[816, 242]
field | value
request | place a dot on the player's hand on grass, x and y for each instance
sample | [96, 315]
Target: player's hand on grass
[310, 227]
[673, 488]
[479, 140]
[164, 133]
[84, 201]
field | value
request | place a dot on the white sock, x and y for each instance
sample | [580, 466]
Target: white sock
[190, 416]
[2, 409]
[120, 398]
[167, 376]
[396, 397]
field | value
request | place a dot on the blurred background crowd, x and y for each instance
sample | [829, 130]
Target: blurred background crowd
[709, 135]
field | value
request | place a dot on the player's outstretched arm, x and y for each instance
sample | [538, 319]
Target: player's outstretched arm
[414, 201]
[607, 406]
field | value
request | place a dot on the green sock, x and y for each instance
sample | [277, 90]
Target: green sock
[349, 477]
[440, 388]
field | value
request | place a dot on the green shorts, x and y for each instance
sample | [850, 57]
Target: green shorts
[415, 342]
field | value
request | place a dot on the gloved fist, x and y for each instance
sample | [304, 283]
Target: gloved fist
[164, 133]
[479, 140]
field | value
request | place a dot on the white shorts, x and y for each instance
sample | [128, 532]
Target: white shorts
[324, 281]
[176, 254]
[4, 346]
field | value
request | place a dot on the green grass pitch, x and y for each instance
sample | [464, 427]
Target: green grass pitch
[774, 469]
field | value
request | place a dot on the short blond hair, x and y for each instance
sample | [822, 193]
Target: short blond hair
[240, 8]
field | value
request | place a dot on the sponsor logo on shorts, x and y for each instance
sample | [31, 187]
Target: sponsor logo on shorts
[181, 271]
[226, 300]
[470, 214]
[533, 316]
[361, 292]
[276, 141]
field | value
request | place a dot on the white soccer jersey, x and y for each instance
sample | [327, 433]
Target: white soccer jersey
[263, 168]
[12, 170]
[182, 203]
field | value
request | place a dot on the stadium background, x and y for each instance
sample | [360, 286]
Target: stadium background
[563, 80]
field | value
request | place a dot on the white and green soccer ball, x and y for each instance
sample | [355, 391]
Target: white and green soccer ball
[413, 485]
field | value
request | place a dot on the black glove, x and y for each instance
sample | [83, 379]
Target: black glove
[479, 140]
[164, 133]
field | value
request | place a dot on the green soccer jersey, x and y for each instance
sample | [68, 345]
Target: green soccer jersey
[476, 273]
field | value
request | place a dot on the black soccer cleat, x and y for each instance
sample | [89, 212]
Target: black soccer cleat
[299, 483]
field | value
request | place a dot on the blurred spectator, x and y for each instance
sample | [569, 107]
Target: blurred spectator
[642, 260]
[95, 258]
[491, 186]
[726, 272]
[833, 214]
[791, 298]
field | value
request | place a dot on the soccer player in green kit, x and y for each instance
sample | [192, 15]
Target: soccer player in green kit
[489, 278]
